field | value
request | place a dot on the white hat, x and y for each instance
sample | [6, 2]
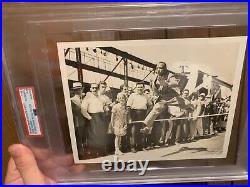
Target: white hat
[77, 85]
[203, 94]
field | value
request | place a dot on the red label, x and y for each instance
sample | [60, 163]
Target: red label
[28, 106]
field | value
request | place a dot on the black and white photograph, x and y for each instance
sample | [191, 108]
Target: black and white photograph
[156, 100]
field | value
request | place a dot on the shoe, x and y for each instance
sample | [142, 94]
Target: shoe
[161, 142]
[182, 142]
[205, 133]
[165, 145]
[157, 146]
[177, 143]
[139, 149]
[133, 150]
[171, 144]
[118, 152]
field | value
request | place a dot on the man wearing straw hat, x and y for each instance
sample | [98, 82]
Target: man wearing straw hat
[79, 122]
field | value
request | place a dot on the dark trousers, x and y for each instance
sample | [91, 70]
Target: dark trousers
[206, 125]
[136, 138]
[98, 133]
[110, 146]
[148, 140]
[174, 134]
[182, 130]
[81, 138]
[81, 133]
[157, 132]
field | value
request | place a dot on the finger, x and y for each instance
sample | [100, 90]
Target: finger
[41, 153]
[76, 169]
[57, 161]
[13, 176]
[57, 172]
[64, 160]
[47, 164]
[26, 164]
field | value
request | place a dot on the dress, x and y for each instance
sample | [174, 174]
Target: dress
[119, 120]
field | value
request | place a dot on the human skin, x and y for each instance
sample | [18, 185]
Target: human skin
[38, 166]
[23, 168]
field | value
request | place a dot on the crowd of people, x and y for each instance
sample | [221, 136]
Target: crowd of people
[142, 119]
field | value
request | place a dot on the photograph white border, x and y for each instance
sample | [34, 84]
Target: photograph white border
[242, 40]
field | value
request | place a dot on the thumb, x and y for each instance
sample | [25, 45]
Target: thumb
[26, 164]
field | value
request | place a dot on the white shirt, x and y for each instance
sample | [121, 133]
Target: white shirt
[137, 101]
[198, 108]
[92, 104]
[106, 99]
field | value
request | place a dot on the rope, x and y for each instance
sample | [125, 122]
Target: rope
[173, 119]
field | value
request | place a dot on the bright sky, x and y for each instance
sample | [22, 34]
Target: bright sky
[218, 59]
[215, 56]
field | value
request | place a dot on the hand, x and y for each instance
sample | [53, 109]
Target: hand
[23, 169]
[106, 108]
[23, 165]
[129, 119]
[162, 80]
[172, 116]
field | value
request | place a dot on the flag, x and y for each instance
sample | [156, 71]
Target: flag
[217, 94]
[203, 83]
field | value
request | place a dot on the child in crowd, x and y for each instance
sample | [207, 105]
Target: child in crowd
[119, 121]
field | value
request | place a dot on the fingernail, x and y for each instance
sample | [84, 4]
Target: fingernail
[11, 149]
[14, 150]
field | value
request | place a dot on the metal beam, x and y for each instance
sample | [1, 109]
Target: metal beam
[125, 72]
[101, 71]
[79, 61]
[66, 51]
[128, 56]
[113, 69]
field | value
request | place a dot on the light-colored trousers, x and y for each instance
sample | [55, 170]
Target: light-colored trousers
[196, 128]
[155, 112]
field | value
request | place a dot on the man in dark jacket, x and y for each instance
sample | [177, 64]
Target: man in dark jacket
[79, 121]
